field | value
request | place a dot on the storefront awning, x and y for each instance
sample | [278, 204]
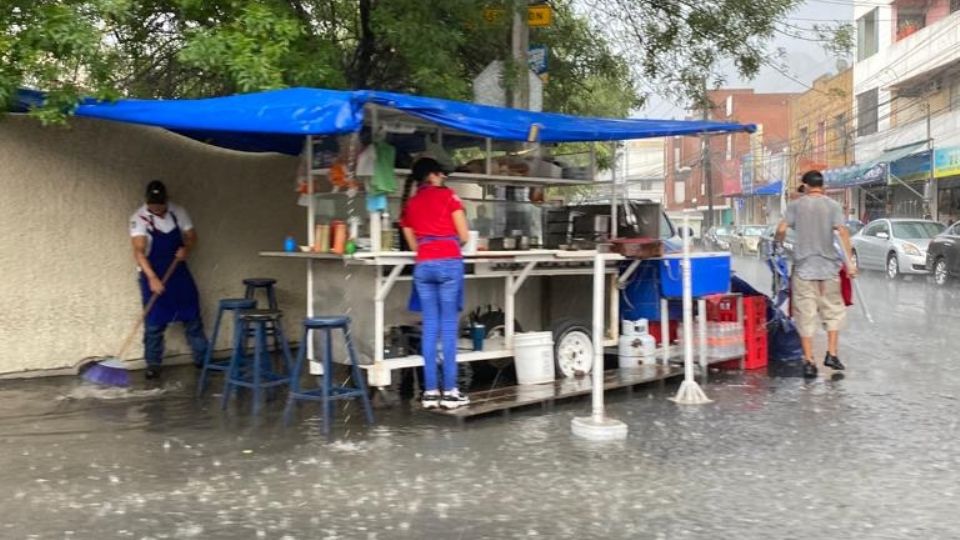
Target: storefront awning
[278, 120]
[872, 172]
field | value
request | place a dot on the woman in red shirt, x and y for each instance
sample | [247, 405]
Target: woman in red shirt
[435, 226]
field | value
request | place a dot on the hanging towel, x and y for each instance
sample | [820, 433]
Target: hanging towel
[384, 180]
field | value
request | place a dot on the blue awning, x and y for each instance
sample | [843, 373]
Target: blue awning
[773, 188]
[278, 120]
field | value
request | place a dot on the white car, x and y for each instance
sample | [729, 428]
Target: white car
[895, 246]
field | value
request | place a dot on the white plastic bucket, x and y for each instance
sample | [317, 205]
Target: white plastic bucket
[533, 357]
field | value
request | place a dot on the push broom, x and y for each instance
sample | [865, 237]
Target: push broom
[111, 370]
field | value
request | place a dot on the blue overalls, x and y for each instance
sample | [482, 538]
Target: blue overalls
[180, 301]
[438, 292]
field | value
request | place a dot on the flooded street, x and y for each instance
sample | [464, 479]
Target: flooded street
[871, 455]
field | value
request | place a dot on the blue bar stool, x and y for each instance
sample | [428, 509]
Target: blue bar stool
[327, 393]
[266, 284]
[255, 372]
[226, 304]
[253, 284]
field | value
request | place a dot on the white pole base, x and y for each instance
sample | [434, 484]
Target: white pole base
[690, 393]
[605, 429]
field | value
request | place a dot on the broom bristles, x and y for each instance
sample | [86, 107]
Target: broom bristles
[109, 372]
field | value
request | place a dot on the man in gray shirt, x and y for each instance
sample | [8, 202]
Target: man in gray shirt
[815, 284]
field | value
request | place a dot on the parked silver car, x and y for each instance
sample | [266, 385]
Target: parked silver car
[895, 246]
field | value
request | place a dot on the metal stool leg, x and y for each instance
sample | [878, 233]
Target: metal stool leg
[272, 297]
[259, 344]
[295, 376]
[284, 349]
[357, 375]
[327, 380]
[202, 381]
[233, 370]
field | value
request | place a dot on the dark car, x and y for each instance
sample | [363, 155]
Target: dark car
[943, 255]
[765, 247]
[718, 238]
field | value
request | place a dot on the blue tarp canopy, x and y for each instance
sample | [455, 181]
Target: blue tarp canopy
[277, 121]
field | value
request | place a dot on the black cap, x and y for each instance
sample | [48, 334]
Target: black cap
[424, 167]
[156, 192]
[813, 178]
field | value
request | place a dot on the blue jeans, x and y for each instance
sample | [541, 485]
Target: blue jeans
[153, 341]
[439, 284]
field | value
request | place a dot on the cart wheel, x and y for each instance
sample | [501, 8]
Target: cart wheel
[572, 348]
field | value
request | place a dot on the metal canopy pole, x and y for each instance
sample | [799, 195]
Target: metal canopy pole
[315, 367]
[597, 426]
[690, 392]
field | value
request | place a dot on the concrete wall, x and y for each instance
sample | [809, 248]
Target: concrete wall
[67, 274]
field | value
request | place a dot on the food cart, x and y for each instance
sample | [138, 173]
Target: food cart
[498, 155]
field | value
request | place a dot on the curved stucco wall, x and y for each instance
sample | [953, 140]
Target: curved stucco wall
[67, 275]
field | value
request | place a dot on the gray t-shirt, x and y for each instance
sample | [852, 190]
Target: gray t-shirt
[814, 219]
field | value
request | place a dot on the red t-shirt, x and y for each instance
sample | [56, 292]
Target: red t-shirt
[430, 214]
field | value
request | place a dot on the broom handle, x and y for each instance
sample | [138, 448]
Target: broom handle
[146, 311]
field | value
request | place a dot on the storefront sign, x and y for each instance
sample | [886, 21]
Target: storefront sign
[912, 167]
[746, 174]
[946, 162]
[537, 58]
[855, 175]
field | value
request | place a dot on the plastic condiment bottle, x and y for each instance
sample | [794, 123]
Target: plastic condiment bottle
[339, 233]
[289, 244]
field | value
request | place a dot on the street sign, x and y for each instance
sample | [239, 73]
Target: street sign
[537, 58]
[537, 16]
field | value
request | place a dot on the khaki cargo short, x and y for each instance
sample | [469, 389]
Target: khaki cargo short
[813, 298]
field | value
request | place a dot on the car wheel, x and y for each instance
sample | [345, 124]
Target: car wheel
[893, 267]
[572, 348]
[940, 276]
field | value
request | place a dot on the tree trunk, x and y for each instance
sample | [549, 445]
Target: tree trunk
[365, 48]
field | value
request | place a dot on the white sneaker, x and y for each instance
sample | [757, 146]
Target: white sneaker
[430, 399]
[454, 399]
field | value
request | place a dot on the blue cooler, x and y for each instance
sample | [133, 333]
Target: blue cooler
[709, 274]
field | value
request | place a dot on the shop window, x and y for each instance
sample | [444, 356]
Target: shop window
[954, 5]
[867, 104]
[909, 20]
[820, 154]
[955, 92]
[804, 142]
[868, 38]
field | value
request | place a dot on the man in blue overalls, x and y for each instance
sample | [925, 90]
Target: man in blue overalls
[162, 234]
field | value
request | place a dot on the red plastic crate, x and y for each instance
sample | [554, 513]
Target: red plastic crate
[756, 353]
[722, 307]
[654, 328]
[754, 317]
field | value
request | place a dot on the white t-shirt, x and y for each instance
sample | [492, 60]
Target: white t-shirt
[142, 222]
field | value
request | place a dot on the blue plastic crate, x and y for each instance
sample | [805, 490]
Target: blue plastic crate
[709, 273]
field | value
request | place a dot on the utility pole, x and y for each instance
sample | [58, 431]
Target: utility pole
[519, 43]
[933, 205]
[705, 149]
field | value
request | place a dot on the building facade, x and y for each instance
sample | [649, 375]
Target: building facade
[822, 132]
[739, 163]
[906, 100]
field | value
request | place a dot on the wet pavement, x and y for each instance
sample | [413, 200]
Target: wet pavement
[871, 455]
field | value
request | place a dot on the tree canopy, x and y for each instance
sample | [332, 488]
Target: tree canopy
[603, 56]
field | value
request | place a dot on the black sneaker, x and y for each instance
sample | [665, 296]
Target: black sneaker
[809, 370]
[454, 399]
[152, 373]
[833, 362]
[430, 400]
